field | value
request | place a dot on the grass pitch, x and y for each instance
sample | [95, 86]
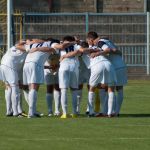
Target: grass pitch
[128, 132]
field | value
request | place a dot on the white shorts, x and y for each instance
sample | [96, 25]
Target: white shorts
[121, 74]
[33, 73]
[84, 75]
[50, 78]
[9, 75]
[68, 76]
[103, 73]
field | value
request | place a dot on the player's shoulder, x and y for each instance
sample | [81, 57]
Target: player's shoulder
[77, 47]
[101, 43]
[13, 49]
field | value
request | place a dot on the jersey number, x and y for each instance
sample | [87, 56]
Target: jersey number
[69, 49]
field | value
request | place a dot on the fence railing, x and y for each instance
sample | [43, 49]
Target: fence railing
[17, 29]
[130, 31]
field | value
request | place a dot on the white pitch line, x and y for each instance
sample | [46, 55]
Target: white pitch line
[76, 139]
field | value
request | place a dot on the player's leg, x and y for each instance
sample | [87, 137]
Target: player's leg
[57, 97]
[121, 81]
[74, 78]
[64, 101]
[49, 99]
[20, 104]
[97, 101]
[64, 79]
[26, 93]
[49, 80]
[26, 75]
[104, 99]
[20, 109]
[95, 79]
[110, 80]
[111, 95]
[15, 97]
[33, 88]
[79, 97]
[33, 75]
[91, 97]
[87, 107]
[119, 98]
[9, 111]
[74, 102]
[10, 76]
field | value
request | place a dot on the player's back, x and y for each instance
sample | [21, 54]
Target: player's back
[14, 58]
[116, 59]
[97, 59]
[38, 57]
[72, 60]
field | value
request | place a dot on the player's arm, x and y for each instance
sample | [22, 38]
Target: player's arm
[48, 67]
[98, 53]
[63, 45]
[88, 50]
[117, 52]
[105, 50]
[70, 54]
[108, 50]
[20, 47]
[43, 49]
[37, 41]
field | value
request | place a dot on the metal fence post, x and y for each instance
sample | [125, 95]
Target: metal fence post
[148, 42]
[23, 27]
[87, 22]
[9, 23]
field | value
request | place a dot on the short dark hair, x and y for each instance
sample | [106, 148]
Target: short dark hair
[92, 35]
[68, 38]
[53, 40]
[84, 44]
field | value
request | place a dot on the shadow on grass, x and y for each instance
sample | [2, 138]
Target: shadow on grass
[122, 116]
[134, 115]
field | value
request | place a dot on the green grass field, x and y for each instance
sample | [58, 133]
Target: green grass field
[131, 131]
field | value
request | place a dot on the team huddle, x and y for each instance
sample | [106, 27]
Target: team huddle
[61, 65]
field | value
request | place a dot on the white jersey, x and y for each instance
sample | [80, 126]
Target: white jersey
[38, 57]
[14, 58]
[72, 59]
[116, 60]
[86, 60]
[97, 59]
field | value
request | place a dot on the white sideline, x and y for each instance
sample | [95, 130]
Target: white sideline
[76, 139]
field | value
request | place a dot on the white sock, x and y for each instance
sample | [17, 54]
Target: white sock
[26, 96]
[114, 104]
[57, 101]
[49, 100]
[20, 103]
[91, 102]
[32, 102]
[103, 99]
[8, 101]
[74, 102]
[87, 108]
[15, 99]
[119, 100]
[79, 98]
[106, 104]
[64, 100]
[110, 102]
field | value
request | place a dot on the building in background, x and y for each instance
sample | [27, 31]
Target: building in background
[97, 6]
